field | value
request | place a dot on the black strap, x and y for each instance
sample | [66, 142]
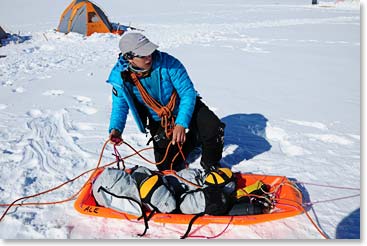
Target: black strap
[190, 225]
[131, 199]
[151, 214]
[215, 178]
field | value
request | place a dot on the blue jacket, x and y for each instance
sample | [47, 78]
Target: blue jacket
[167, 74]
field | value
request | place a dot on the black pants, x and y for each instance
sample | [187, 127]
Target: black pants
[205, 130]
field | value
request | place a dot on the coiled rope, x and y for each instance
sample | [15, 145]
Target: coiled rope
[164, 112]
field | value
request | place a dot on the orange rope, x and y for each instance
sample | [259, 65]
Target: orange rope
[136, 152]
[14, 203]
[304, 210]
[164, 112]
[52, 189]
[171, 171]
[147, 160]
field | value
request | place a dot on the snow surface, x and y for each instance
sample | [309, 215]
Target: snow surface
[284, 75]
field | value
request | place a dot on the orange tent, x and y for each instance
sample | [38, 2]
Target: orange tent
[84, 17]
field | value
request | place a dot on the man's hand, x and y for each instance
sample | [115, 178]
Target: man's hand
[115, 137]
[179, 135]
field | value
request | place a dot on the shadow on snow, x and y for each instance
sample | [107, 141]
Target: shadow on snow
[245, 133]
[349, 227]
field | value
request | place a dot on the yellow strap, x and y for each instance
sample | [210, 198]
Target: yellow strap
[222, 175]
[248, 189]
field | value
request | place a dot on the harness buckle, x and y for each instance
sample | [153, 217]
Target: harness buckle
[157, 137]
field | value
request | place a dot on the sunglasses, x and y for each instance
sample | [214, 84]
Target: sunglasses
[137, 56]
[131, 55]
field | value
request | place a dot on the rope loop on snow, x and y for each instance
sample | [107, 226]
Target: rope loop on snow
[119, 159]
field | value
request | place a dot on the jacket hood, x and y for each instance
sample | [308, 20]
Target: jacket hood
[121, 64]
[115, 75]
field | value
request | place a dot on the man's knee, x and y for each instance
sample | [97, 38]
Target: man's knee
[208, 124]
[214, 135]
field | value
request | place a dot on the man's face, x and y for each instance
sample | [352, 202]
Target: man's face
[143, 62]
